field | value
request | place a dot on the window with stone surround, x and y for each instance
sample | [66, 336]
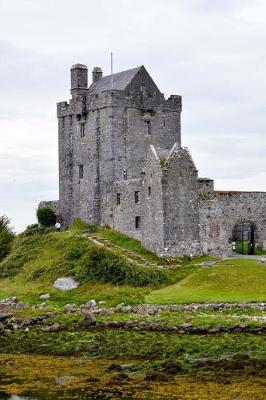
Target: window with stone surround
[137, 197]
[80, 171]
[118, 198]
[149, 191]
[137, 222]
[82, 130]
[147, 127]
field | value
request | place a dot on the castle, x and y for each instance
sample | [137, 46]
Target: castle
[121, 164]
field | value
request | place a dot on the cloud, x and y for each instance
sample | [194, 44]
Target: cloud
[211, 52]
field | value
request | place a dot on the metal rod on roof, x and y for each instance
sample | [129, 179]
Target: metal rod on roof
[112, 76]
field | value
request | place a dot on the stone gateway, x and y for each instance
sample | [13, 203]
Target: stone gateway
[121, 164]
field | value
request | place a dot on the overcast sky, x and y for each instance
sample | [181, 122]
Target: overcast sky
[212, 52]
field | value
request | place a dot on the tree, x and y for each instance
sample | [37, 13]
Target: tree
[6, 236]
[46, 216]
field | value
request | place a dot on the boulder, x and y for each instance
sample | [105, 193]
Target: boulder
[65, 284]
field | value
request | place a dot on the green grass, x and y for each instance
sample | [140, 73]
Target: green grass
[237, 280]
[129, 243]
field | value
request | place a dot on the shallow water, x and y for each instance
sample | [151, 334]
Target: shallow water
[27, 377]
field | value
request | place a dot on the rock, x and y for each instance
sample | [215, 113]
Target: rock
[49, 315]
[126, 309]
[65, 284]
[21, 306]
[54, 328]
[2, 327]
[89, 305]
[89, 321]
[4, 316]
[70, 308]
[102, 302]
[45, 296]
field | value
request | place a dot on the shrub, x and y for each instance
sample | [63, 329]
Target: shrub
[46, 216]
[101, 265]
[6, 236]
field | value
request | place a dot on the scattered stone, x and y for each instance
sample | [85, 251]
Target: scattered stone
[65, 284]
[54, 328]
[102, 302]
[2, 327]
[89, 305]
[21, 306]
[89, 321]
[49, 315]
[5, 316]
[70, 308]
[126, 309]
[45, 296]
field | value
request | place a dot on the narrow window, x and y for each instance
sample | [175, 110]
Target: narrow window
[118, 198]
[80, 171]
[82, 130]
[147, 127]
[124, 174]
[149, 190]
[137, 197]
[164, 123]
[137, 222]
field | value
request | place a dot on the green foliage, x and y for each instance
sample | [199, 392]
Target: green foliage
[80, 226]
[46, 216]
[101, 265]
[6, 237]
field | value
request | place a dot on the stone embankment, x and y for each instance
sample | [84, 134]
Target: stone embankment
[92, 309]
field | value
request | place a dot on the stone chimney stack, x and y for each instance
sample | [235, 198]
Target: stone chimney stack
[97, 73]
[79, 78]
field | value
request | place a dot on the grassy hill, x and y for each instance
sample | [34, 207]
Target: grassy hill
[236, 280]
[115, 268]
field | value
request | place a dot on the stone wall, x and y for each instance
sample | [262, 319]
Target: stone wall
[125, 213]
[180, 204]
[220, 211]
[153, 214]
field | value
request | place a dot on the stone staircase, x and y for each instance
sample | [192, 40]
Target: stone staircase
[131, 256]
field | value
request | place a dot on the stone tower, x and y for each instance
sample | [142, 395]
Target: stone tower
[104, 135]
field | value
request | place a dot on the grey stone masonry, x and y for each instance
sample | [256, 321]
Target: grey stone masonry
[121, 164]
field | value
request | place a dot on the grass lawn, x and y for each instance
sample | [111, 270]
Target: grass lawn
[237, 280]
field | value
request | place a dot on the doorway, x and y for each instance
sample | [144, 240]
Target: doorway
[244, 238]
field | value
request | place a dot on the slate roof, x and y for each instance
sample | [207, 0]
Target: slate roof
[120, 81]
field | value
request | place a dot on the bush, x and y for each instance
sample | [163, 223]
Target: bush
[6, 237]
[101, 265]
[46, 216]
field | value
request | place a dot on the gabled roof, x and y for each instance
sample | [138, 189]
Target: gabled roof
[120, 81]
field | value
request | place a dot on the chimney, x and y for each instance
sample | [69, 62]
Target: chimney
[79, 77]
[97, 73]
